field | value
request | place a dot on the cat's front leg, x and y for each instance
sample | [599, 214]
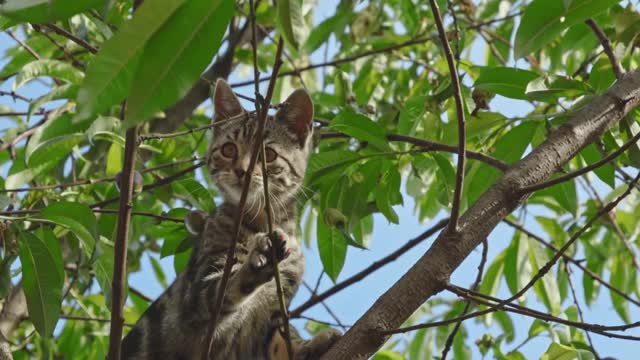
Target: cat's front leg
[258, 268]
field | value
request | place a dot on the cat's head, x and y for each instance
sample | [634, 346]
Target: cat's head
[287, 139]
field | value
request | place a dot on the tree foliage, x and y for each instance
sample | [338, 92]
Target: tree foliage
[77, 74]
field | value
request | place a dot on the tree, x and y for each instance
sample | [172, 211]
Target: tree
[107, 130]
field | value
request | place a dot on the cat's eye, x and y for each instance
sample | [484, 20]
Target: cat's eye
[270, 154]
[229, 150]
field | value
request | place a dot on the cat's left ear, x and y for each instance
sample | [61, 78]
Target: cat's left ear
[297, 113]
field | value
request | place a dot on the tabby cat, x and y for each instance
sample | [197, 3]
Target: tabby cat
[174, 326]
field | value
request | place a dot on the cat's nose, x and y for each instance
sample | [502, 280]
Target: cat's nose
[239, 173]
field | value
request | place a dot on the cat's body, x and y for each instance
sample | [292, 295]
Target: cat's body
[175, 325]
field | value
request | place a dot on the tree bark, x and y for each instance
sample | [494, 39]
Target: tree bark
[429, 275]
[13, 313]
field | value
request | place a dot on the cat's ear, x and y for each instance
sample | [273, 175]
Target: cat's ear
[297, 113]
[225, 102]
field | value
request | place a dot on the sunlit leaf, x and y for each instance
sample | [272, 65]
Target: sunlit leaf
[42, 11]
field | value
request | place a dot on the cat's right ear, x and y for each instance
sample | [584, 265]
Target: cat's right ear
[225, 101]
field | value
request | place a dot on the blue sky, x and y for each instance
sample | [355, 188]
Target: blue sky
[351, 303]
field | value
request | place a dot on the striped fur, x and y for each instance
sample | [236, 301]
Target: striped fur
[174, 326]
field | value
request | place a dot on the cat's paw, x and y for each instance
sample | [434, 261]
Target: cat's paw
[261, 257]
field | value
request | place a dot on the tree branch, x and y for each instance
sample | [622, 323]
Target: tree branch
[606, 45]
[120, 251]
[457, 95]
[217, 304]
[370, 269]
[431, 146]
[431, 273]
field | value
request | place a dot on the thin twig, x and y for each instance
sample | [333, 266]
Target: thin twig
[243, 116]
[607, 159]
[369, 269]
[337, 62]
[467, 306]
[93, 181]
[606, 45]
[88, 318]
[60, 31]
[575, 262]
[455, 82]
[23, 44]
[120, 249]
[262, 108]
[159, 183]
[427, 145]
[567, 270]
[15, 96]
[325, 306]
[217, 304]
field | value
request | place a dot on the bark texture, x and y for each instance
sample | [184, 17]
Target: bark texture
[429, 275]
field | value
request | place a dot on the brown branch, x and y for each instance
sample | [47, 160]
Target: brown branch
[324, 305]
[60, 31]
[120, 251]
[23, 135]
[493, 21]
[77, 63]
[217, 305]
[89, 318]
[457, 94]
[467, 306]
[262, 108]
[494, 305]
[23, 44]
[243, 116]
[15, 96]
[370, 269]
[159, 183]
[606, 45]
[607, 159]
[92, 181]
[573, 261]
[430, 274]
[14, 311]
[567, 270]
[337, 62]
[427, 145]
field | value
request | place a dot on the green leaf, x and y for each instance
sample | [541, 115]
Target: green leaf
[76, 217]
[26, 175]
[48, 67]
[550, 88]
[505, 81]
[605, 172]
[42, 279]
[618, 279]
[361, 127]
[66, 91]
[387, 355]
[544, 20]
[387, 194]
[44, 11]
[194, 192]
[115, 159]
[562, 352]
[175, 57]
[332, 249]
[291, 22]
[517, 268]
[54, 149]
[546, 289]
[157, 270]
[110, 74]
[411, 114]
[325, 163]
[103, 268]
[564, 193]
[322, 31]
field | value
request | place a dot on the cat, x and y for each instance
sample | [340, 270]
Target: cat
[175, 325]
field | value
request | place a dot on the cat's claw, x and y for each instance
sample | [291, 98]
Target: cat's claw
[261, 256]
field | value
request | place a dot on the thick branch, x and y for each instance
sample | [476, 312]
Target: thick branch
[431, 273]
